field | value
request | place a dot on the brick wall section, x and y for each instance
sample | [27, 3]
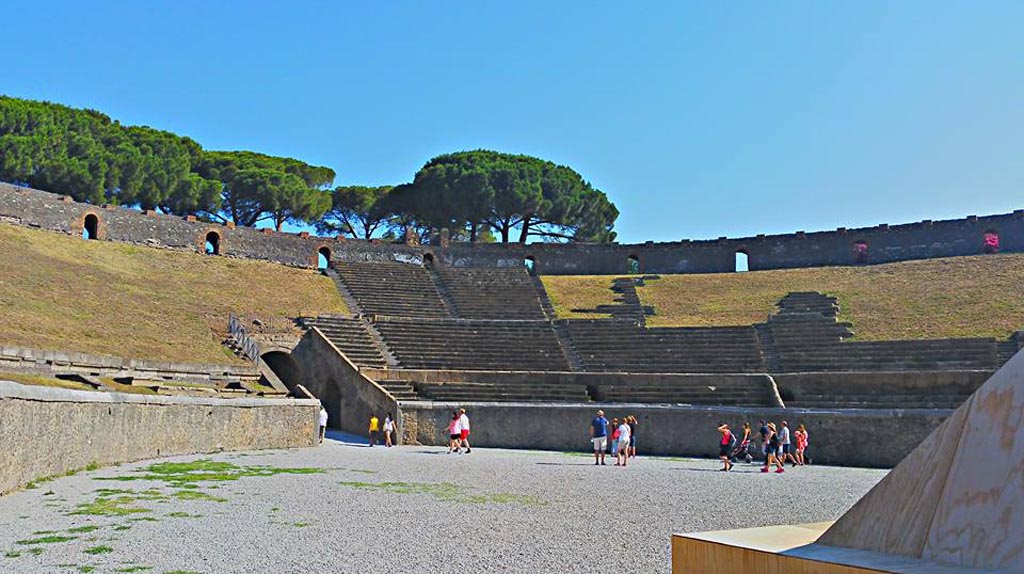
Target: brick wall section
[886, 243]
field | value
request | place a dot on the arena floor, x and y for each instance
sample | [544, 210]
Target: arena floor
[347, 508]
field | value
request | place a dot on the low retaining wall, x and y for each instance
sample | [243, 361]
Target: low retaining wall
[24, 359]
[847, 437]
[48, 431]
[936, 382]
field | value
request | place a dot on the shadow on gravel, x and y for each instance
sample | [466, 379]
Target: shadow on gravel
[733, 471]
[569, 464]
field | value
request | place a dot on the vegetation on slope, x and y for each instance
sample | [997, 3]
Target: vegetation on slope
[60, 292]
[980, 296]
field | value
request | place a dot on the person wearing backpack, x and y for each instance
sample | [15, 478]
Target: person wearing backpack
[725, 446]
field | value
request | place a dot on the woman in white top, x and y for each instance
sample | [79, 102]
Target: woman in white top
[389, 427]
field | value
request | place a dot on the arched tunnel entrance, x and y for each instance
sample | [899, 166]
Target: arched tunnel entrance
[285, 367]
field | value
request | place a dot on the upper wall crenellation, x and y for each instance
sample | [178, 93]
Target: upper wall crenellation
[882, 243]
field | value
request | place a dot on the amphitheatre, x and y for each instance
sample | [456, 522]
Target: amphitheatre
[132, 336]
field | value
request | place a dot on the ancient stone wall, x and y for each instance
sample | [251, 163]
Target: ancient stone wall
[48, 431]
[880, 244]
[21, 359]
[864, 438]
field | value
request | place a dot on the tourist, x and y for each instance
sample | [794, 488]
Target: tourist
[622, 454]
[725, 445]
[786, 443]
[389, 429]
[374, 427]
[801, 443]
[632, 435]
[464, 430]
[599, 436]
[615, 438]
[323, 423]
[772, 451]
[744, 444]
[454, 435]
[763, 431]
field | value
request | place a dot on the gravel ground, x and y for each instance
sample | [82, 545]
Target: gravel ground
[503, 511]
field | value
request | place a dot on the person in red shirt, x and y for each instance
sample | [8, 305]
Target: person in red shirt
[725, 446]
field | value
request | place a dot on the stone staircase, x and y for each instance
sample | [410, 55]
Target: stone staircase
[401, 390]
[352, 337]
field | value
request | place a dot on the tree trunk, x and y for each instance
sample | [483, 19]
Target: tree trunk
[525, 232]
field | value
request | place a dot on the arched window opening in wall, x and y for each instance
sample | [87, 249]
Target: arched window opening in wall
[742, 261]
[91, 227]
[991, 241]
[633, 265]
[428, 259]
[323, 258]
[531, 265]
[860, 251]
[213, 243]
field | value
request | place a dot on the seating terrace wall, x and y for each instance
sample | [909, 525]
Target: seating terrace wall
[836, 436]
[23, 359]
[48, 431]
[880, 244]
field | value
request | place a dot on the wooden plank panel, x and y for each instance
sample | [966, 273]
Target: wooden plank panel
[691, 556]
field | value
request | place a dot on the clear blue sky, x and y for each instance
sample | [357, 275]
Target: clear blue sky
[698, 119]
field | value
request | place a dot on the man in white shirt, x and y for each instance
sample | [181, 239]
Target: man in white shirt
[464, 430]
[622, 453]
[323, 423]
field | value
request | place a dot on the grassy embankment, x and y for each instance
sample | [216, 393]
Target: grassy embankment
[981, 296]
[61, 292]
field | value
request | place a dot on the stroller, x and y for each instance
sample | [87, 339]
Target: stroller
[745, 450]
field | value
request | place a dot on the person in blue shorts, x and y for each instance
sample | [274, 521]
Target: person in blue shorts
[599, 436]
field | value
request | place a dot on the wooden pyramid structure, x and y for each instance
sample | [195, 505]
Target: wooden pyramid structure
[958, 498]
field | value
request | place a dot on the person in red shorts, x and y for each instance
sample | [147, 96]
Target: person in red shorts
[464, 430]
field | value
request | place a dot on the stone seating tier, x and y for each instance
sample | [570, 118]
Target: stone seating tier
[720, 391]
[624, 346]
[839, 399]
[470, 391]
[473, 344]
[492, 293]
[397, 289]
[401, 390]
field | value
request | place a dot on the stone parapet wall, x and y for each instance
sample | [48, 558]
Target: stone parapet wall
[884, 243]
[864, 438]
[22, 359]
[882, 383]
[48, 431]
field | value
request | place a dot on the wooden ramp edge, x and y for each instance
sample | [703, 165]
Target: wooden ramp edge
[790, 549]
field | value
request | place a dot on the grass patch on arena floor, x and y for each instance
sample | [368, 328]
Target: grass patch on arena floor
[186, 475]
[976, 296]
[51, 539]
[446, 492]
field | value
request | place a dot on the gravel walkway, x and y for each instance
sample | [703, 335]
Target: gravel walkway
[406, 509]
